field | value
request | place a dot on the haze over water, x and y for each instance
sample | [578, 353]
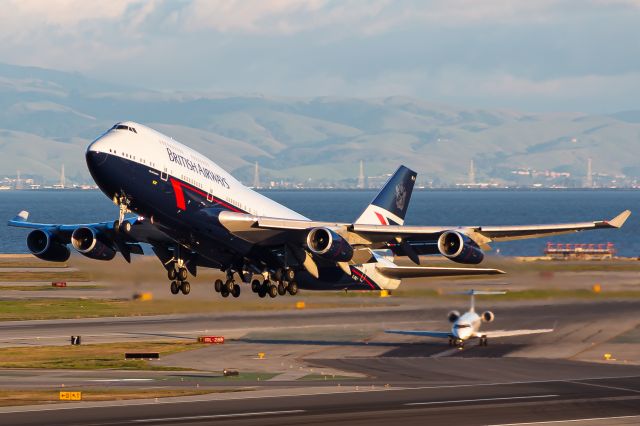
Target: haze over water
[426, 208]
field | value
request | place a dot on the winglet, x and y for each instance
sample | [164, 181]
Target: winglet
[619, 220]
[23, 216]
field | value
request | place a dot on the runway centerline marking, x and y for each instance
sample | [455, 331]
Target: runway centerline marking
[603, 386]
[550, 422]
[458, 401]
[217, 416]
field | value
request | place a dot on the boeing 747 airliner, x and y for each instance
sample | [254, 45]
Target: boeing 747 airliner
[194, 214]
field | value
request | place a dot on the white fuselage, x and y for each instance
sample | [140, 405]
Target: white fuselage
[467, 326]
[152, 149]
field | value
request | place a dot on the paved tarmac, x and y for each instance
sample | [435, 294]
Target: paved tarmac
[379, 378]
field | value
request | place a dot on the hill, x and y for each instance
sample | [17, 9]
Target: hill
[48, 118]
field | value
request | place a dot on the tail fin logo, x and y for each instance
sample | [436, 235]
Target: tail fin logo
[401, 196]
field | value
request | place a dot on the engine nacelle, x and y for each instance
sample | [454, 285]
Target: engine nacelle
[87, 242]
[329, 245]
[459, 248]
[43, 244]
[453, 316]
[487, 316]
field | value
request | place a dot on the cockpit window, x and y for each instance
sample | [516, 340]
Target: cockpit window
[123, 127]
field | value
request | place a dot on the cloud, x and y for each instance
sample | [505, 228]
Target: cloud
[516, 52]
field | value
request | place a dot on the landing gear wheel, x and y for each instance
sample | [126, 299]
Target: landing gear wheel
[185, 287]
[182, 274]
[292, 288]
[255, 286]
[273, 291]
[262, 292]
[172, 274]
[282, 290]
[236, 291]
[229, 285]
[224, 292]
[217, 285]
[174, 287]
[290, 274]
[483, 341]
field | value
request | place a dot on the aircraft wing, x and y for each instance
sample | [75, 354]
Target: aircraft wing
[436, 334]
[510, 333]
[256, 229]
[141, 231]
[485, 234]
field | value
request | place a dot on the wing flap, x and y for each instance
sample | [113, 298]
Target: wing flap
[400, 272]
[510, 333]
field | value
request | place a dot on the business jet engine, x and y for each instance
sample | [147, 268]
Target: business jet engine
[44, 245]
[88, 242]
[327, 244]
[453, 316]
[487, 316]
[459, 248]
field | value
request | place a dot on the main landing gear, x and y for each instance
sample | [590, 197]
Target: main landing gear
[178, 278]
[284, 282]
[274, 284]
[483, 341]
[228, 287]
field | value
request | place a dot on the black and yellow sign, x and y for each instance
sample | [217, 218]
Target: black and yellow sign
[70, 396]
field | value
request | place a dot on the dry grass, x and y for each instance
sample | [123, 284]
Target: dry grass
[90, 357]
[31, 397]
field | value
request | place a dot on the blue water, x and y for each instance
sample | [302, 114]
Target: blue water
[427, 208]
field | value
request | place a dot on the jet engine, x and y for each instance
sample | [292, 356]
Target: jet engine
[459, 248]
[453, 316]
[87, 242]
[42, 244]
[487, 316]
[325, 243]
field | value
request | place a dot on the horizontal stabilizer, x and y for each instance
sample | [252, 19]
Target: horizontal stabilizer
[400, 272]
[479, 292]
[437, 334]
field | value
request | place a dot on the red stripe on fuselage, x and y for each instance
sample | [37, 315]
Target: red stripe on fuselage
[364, 277]
[178, 189]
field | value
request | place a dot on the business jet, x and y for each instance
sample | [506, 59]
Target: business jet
[194, 215]
[467, 326]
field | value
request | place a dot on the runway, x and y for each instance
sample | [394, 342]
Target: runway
[478, 404]
[379, 378]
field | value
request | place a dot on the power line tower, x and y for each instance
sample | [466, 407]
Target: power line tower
[18, 180]
[472, 172]
[256, 176]
[589, 180]
[62, 178]
[361, 182]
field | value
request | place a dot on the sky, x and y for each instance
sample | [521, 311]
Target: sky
[530, 55]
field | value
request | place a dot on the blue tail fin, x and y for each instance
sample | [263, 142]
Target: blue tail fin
[390, 205]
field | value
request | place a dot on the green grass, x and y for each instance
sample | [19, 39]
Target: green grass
[47, 287]
[41, 309]
[91, 357]
[317, 377]
[29, 397]
[533, 294]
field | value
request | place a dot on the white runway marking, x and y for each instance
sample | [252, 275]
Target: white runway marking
[552, 422]
[217, 416]
[458, 401]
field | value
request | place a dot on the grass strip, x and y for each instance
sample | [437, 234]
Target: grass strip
[92, 356]
[31, 397]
